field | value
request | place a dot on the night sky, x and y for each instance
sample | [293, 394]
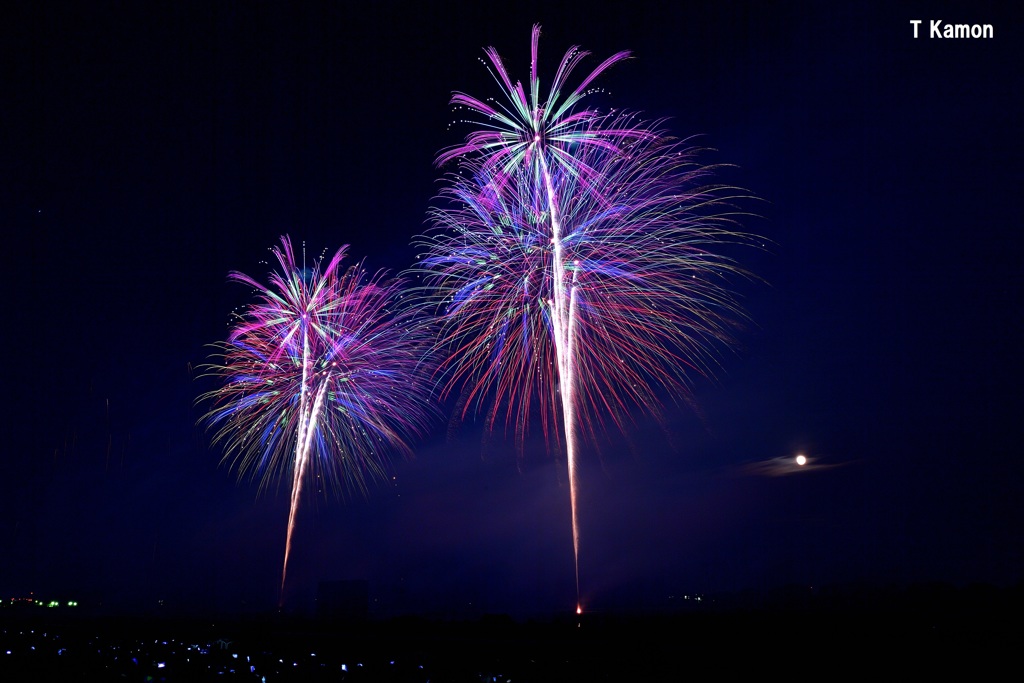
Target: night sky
[148, 150]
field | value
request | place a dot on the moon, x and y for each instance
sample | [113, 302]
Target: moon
[801, 460]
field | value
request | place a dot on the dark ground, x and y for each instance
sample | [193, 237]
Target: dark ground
[922, 631]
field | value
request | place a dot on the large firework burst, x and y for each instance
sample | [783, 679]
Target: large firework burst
[572, 262]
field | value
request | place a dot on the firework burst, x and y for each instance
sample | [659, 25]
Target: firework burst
[527, 132]
[650, 308]
[572, 263]
[322, 379]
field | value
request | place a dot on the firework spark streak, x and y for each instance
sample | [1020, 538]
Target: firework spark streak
[571, 263]
[322, 379]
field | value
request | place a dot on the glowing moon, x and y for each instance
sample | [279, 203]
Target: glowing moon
[801, 460]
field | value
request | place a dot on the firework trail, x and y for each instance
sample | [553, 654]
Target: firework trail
[570, 263]
[322, 379]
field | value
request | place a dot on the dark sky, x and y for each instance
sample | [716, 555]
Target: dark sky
[146, 151]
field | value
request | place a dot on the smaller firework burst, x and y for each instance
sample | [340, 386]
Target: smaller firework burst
[322, 378]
